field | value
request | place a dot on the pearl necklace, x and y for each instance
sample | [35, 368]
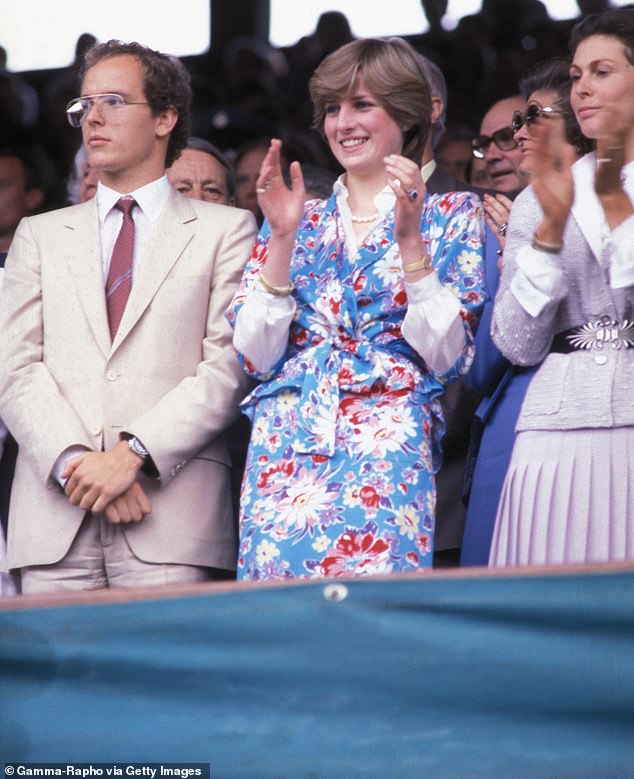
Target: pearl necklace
[365, 219]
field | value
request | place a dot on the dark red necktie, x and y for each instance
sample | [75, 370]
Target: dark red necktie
[119, 281]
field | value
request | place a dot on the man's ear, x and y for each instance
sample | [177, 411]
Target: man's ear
[166, 121]
[436, 109]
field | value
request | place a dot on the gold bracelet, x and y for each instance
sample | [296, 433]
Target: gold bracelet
[279, 292]
[544, 246]
[423, 264]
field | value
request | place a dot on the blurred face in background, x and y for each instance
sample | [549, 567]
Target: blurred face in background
[247, 170]
[201, 176]
[16, 200]
[88, 183]
[502, 164]
[454, 157]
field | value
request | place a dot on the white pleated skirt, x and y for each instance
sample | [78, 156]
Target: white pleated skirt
[568, 497]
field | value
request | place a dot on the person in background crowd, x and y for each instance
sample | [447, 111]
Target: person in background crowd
[117, 375]
[458, 401]
[453, 151]
[22, 192]
[478, 175]
[496, 145]
[354, 314]
[202, 172]
[566, 303]
[82, 182]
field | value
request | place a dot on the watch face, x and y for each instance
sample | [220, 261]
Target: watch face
[137, 447]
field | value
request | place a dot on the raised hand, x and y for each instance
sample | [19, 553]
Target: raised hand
[551, 177]
[404, 177]
[282, 206]
[497, 210]
[607, 179]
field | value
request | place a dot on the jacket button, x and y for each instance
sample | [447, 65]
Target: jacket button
[601, 359]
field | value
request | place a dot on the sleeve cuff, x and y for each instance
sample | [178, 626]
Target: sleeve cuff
[622, 264]
[538, 280]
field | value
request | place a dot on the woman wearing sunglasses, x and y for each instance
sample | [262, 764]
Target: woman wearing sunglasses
[566, 303]
[546, 89]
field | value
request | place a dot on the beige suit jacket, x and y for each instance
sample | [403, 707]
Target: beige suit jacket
[170, 376]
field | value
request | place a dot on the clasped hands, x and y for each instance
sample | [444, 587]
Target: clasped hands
[106, 482]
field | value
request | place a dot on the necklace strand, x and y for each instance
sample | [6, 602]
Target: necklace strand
[365, 219]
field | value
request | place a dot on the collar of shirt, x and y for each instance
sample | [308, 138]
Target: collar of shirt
[151, 199]
[587, 207]
[383, 200]
[427, 170]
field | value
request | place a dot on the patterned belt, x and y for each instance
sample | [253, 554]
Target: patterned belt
[598, 334]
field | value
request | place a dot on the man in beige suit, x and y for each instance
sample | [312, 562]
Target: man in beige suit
[123, 474]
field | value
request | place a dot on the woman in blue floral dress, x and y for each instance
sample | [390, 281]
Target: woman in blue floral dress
[354, 313]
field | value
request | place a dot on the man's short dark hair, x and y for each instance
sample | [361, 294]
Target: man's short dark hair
[167, 84]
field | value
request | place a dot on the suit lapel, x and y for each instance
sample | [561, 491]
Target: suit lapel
[82, 255]
[172, 233]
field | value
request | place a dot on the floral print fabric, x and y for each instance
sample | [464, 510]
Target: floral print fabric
[346, 427]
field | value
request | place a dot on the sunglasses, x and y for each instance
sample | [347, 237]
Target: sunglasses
[533, 112]
[502, 138]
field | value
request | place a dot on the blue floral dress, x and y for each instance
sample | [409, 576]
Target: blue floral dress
[346, 426]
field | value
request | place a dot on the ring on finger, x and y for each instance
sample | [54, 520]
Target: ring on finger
[412, 194]
[503, 228]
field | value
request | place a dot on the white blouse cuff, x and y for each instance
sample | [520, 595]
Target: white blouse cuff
[538, 280]
[261, 327]
[433, 325]
[622, 261]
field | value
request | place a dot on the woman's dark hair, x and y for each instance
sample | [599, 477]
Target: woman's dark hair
[617, 23]
[554, 74]
[167, 84]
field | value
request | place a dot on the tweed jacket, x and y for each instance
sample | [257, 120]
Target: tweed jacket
[588, 388]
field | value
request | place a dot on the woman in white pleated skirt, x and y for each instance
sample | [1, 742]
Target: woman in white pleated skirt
[566, 300]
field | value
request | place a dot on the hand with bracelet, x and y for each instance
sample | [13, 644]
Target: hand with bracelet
[404, 177]
[283, 208]
[552, 182]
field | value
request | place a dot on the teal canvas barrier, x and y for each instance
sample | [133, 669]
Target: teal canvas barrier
[527, 677]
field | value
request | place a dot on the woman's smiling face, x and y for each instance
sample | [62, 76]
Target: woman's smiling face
[360, 132]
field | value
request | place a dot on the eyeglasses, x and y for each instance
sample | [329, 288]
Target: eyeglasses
[109, 105]
[533, 112]
[502, 138]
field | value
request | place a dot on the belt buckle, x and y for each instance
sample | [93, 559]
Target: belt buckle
[596, 334]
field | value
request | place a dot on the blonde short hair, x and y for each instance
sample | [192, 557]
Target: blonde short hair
[392, 72]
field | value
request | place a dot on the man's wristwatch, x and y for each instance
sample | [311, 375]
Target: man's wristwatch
[137, 447]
